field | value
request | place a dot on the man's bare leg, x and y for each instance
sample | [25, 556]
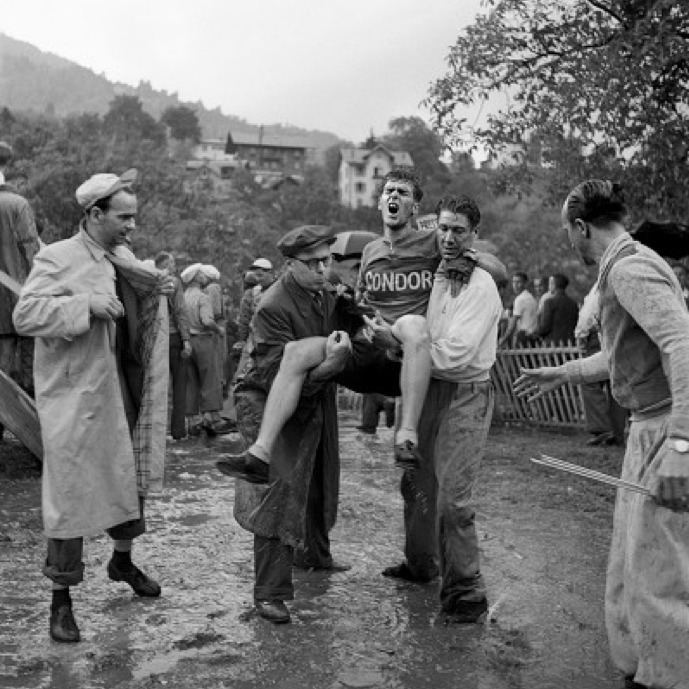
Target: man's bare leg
[412, 332]
[298, 359]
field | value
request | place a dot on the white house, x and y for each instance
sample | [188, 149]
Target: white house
[361, 171]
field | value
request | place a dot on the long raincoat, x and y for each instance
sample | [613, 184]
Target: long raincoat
[95, 463]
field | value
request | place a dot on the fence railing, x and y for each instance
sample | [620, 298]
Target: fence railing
[563, 407]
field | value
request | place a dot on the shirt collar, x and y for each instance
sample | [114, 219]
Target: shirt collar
[612, 249]
[95, 249]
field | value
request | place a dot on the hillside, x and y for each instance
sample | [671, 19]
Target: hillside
[33, 80]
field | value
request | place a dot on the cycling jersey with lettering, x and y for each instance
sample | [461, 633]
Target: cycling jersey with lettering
[397, 280]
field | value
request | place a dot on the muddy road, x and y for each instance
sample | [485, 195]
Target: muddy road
[544, 539]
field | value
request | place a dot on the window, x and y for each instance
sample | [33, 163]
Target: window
[360, 187]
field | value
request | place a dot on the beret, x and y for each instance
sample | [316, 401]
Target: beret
[262, 263]
[190, 272]
[102, 185]
[305, 237]
[211, 272]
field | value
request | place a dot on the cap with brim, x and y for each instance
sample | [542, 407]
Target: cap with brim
[102, 185]
[262, 263]
[304, 238]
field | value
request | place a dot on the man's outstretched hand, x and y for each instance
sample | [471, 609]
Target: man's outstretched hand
[533, 383]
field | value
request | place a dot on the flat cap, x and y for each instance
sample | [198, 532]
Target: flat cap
[102, 185]
[305, 237]
[262, 263]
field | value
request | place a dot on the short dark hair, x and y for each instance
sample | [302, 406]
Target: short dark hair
[561, 281]
[598, 201]
[463, 205]
[405, 174]
[162, 258]
[521, 275]
[104, 203]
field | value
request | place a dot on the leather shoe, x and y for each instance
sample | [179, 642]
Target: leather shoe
[465, 612]
[274, 611]
[629, 683]
[140, 583]
[403, 571]
[63, 627]
[407, 455]
[245, 466]
[220, 426]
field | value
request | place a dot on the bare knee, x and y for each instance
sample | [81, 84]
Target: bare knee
[299, 356]
[412, 330]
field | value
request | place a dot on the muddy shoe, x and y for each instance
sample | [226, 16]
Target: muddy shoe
[274, 611]
[220, 427]
[407, 455]
[465, 612]
[403, 571]
[63, 627]
[245, 466]
[140, 583]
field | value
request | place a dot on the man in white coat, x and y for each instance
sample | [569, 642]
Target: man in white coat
[100, 328]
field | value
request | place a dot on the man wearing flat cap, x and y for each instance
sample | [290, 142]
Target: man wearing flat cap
[19, 243]
[297, 509]
[100, 326]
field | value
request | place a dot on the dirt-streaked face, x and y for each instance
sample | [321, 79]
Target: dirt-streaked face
[455, 234]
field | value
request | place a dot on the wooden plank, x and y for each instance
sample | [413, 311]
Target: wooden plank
[18, 415]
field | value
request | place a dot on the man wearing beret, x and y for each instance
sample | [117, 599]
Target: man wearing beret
[298, 508]
[101, 370]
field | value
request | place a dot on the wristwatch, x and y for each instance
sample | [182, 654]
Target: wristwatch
[679, 444]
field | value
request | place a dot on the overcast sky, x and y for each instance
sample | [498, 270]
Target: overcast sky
[342, 66]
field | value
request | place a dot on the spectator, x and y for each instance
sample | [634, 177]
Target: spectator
[180, 345]
[605, 419]
[373, 403]
[204, 389]
[96, 314]
[19, 243]
[560, 313]
[524, 319]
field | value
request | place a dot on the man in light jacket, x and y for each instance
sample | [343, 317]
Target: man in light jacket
[100, 377]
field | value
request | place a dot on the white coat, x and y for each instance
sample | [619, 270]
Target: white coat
[89, 475]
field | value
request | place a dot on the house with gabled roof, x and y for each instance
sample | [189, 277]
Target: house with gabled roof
[362, 169]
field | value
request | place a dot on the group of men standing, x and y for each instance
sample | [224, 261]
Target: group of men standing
[100, 322]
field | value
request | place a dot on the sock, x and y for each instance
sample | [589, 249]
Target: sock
[60, 597]
[406, 434]
[122, 558]
[260, 452]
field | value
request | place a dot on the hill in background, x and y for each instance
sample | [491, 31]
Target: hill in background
[33, 80]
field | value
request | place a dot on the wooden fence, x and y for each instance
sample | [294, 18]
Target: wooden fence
[561, 408]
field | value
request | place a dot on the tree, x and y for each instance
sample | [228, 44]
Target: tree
[183, 122]
[585, 78]
[127, 122]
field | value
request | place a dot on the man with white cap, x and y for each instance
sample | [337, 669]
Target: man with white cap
[204, 388]
[100, 374]
[262, 270]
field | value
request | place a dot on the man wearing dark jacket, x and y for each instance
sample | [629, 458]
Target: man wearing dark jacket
[292, 515]
[560, 313]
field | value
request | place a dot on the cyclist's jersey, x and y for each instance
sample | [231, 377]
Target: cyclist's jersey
[398, 281]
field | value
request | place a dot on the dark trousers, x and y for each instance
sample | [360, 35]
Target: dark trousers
[440, 533]
[178, 373]
[64, 564]
[273, 559]
[372, 404]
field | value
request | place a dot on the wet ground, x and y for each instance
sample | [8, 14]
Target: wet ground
[544, 539]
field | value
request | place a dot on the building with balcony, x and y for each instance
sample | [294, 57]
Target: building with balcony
[361, 171]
